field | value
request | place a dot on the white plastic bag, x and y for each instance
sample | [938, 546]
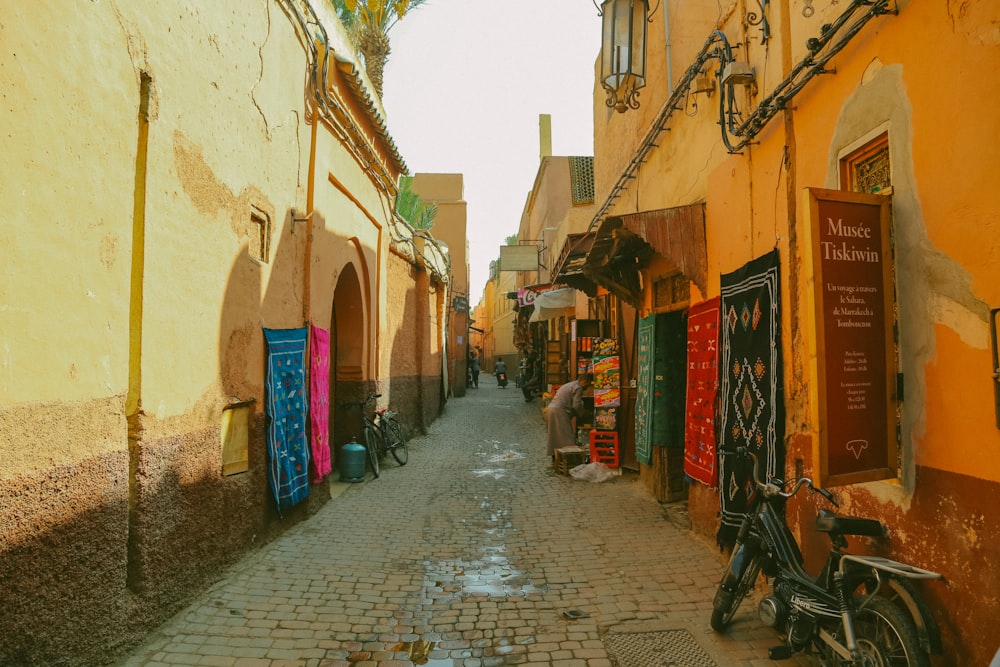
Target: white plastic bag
[592, 472]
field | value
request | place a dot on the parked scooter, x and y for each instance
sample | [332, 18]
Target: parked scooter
[861, 611]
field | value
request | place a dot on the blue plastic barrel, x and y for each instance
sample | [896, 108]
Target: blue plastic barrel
[352, 462]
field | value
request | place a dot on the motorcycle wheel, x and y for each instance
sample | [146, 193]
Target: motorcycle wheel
[887, 637]
[726, 602]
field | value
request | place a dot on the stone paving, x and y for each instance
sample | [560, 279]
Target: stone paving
[476, 553]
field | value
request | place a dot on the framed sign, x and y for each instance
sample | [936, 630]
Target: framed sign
[518, 258]
[854, 371]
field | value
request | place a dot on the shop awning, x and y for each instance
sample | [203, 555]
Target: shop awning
[569, 268]
[553, 303]
[625, 244]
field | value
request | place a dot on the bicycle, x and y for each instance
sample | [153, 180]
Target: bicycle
[381, 434]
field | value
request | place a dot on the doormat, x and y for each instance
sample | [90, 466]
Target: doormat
[666, 648]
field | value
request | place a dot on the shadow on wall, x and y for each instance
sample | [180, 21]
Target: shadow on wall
[106, 562]
[119, 562]
[416, 388]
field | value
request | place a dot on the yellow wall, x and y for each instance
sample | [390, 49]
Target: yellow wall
[140, 142]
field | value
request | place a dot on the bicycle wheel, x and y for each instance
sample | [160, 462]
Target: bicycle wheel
[397, 442]
[373, 441]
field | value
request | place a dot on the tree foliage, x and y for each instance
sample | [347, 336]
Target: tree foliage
[412, 208]
[368, 23]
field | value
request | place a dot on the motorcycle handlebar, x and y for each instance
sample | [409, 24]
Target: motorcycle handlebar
[771, 489]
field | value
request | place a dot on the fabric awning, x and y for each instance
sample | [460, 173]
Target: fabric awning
[625, 244]
[553, 304]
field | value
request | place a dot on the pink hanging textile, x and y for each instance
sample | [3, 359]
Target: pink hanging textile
[319, 403]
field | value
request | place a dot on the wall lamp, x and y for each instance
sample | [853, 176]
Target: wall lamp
[623, 51]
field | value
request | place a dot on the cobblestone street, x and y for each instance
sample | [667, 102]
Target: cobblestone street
[476, 553]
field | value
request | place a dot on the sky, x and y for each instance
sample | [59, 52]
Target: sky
[464, 87]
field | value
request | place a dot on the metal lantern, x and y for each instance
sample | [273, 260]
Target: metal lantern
[623, 51]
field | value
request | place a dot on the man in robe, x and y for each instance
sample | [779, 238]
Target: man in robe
[566, 405]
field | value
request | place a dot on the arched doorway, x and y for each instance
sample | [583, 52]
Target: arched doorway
[348, 342]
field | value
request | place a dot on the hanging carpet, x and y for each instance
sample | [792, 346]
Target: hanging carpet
[702, 390]
[319, 403]
[287, 447]
[751, 411]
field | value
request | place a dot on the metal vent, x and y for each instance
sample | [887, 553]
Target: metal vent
[581, 176]
[667, 648]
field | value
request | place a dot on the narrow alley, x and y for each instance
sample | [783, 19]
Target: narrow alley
[475, 553]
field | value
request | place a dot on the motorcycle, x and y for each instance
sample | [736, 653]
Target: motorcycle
[861, 611]
[502, 379]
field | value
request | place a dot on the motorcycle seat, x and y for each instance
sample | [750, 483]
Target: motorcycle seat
[828, 522]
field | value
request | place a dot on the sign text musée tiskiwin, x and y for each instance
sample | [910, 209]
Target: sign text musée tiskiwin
[856, 365]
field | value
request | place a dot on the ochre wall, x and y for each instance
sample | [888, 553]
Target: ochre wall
[891, 77]
[414, 386]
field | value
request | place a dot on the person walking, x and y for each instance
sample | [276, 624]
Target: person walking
[474, 364]
[564, 406]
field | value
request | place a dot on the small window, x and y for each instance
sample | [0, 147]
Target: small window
[671, 290]
[868, 169]
[260, 235]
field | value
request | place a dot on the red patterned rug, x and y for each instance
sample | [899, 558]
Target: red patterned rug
[702, 389]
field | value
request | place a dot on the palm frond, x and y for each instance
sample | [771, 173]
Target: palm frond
[368, 23]
[412, 208]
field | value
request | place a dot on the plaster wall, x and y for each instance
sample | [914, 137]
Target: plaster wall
[451, 223]
[888, 78]
[503, 323]
[451, 228]
[67, 194]
[544, 215]
[413, 387]
[131, 309]
[943, 241]
[618, 136]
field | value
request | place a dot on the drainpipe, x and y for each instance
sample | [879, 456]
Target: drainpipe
[310, 202]
[133, 397]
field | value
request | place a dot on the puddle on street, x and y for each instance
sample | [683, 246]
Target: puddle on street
[496, 458]
[492, 576]
[495, 473]
[505, 456]
[482, 571]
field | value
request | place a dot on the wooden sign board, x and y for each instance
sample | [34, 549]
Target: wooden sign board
[854, 372]
[518, 258]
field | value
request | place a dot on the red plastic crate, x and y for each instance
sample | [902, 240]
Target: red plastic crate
[604, 447]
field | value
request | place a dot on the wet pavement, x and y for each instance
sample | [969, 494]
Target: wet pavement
[476, 553]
